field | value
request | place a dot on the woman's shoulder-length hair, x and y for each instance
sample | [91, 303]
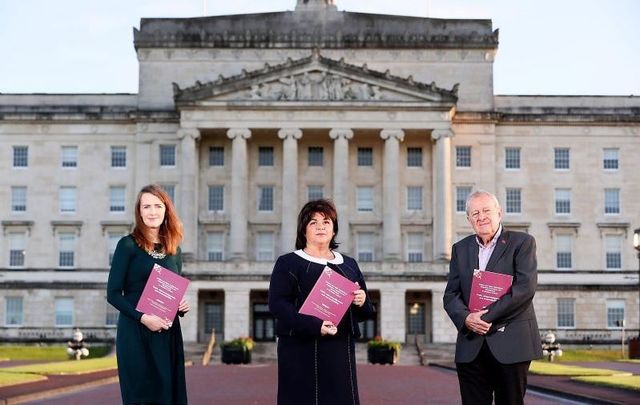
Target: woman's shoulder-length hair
[321, 206]
[170, 233]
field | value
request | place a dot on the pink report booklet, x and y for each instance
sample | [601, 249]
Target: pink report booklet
[488, 287]
[330, 297]
[162, 293]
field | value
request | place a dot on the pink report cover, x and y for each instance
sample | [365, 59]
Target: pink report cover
[330, 297]
[488, 287]
[162, 293]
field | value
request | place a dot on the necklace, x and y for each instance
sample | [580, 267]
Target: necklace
[157, 252]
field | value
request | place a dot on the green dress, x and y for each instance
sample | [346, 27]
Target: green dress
[150, 364]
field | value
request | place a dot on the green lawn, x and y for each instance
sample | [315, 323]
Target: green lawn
[589, 355]
[66, 367]
[45, 353]
[546, 368]
[18, 378]
[623, 382]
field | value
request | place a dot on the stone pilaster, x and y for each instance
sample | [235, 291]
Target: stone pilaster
[442, 195]
[236, 312]
[189, 190]
[392, 246]
[392, 308]
[290, 138]
[341, 137]
[239, 207]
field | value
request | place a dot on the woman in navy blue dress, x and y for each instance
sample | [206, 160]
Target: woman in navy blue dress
[316, 359]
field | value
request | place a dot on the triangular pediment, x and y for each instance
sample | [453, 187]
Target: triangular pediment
[314, 79]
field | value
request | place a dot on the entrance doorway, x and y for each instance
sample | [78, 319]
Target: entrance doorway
[418, 317]
[211, 315]
[263, 323]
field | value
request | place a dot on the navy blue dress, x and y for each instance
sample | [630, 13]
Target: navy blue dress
[150, 364]
[314, 369]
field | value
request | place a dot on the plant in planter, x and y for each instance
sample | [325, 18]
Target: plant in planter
[237, 351]
[381, 351]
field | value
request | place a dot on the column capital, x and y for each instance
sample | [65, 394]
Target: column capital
[294, 133]
[345, 133]
[192, 133]
[244, 133]
[438, 134]
[392, 133]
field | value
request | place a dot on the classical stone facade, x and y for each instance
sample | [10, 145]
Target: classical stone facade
[244, 118]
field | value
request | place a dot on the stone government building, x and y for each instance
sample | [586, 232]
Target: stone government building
[243, 118]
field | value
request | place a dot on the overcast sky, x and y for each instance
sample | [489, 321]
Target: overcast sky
[589, 47]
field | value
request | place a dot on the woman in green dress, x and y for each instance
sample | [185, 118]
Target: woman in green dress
[149, 349]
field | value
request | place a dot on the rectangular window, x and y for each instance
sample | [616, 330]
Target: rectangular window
[13, 311]
[67, 199]
[611, 200]
[114, 238]
[170, 189]
[566, 313]
[364, 199]
[513, 201]
[611, 158]
[563, 251]
[512, 158]
[17, 249]
[119, 156]
[215, 246]
[561, 159]
[414, 157]
[116, 198]
[265, 156]
[264, 246]
[64, 311]
[415, 247]
[414, 198]
[69, 156]
[461, 198]
[265, 198]
[615, 313]
[111, 315]
[20, 156]
[216, 156]
[463, 156]
[316, 156]
[563, 201]
[67, 246]
[315, 192]
[365, 156]
[365, 246]
[18, 199]
[613, 252]
[167, 155]
[216, 198]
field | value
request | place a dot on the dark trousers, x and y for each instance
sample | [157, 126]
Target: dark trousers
[484, 376]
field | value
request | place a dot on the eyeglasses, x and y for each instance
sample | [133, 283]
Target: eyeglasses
[476, 214]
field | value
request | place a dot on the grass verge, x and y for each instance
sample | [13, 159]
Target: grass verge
[555, 369]
[623, 382]
[66, 367]
[46, 353]
[18, 378]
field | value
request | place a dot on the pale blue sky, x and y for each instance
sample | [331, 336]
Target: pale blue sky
[586, 47]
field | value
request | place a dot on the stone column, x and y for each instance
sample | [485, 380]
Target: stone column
[290, 207]
[189, 191]
[392, 313]
[442, 195]
[239, 207]
[392, 246]
[236, 311]
[341, 137]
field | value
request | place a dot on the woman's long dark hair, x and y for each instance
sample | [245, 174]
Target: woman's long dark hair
[324, 207]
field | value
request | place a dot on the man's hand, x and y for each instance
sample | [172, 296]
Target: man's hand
[475, 324]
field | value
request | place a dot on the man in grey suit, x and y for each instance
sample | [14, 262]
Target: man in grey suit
[495, 345]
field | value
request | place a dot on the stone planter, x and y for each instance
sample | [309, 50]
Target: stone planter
[235, 355]
[382, 355]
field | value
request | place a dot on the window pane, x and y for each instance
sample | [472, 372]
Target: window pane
[414, 198]
[365, 247]
[364, 199]
[215, 246]
[563, 251]
[69, 156]
[67, 199]
[67, 242]
[612, 201]
[315, 192]
[563, 201]
[461, 198]
[512, 158]
[561, 158]
[111, 318]
[216, 156]
[170, 189]
[265, 198]
[611, 159]
[615, 313]
[116, 199]
[13, 311]
[365, 156]
[20, 156]
[316, 156]
[167, 155]
[414, 157]
[265, 156]
[265, 247]
[118, 156]
[216, 198]
[114, 238]
[415, 243]
[514, 201]
[18, 198]
[566, 313]
[463, 156]
[613, 251]
[64, 311]
[17, 246]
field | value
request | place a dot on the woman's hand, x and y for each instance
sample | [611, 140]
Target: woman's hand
[155, 323]
[184, 306]
[328, 328]
[359, 296]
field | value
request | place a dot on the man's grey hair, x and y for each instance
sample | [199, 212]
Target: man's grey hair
[478, 193]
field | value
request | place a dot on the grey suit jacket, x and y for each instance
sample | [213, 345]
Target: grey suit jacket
[514, 335]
